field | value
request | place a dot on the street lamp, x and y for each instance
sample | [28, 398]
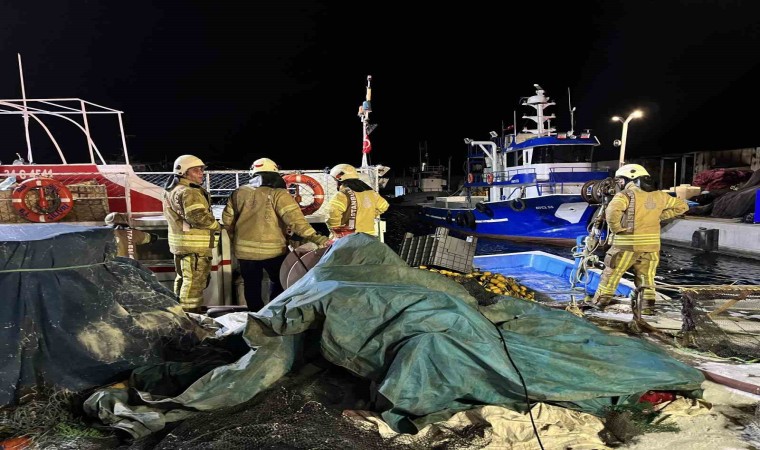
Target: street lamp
[634, 115]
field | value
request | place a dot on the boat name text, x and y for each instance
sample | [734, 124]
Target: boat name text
[22, 174]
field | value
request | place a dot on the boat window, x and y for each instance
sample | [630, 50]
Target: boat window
[562, 154]
[543, 155]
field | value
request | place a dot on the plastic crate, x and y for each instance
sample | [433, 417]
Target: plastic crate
[439, 250]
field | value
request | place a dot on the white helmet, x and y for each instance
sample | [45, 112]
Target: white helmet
[632, 171]
[263, 165]
[343, 172]
[116, 218]
[185, 162]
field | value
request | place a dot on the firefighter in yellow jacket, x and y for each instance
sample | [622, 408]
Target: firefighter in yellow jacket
[258, 218]
[633, 217]
[127, 238]
[355, 207]
[193, 230]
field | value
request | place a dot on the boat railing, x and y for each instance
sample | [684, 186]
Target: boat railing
[573, 174]
[119, 189]
[517, 176]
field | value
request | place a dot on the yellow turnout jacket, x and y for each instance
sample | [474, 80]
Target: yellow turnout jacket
[192, 226]
[634, 216]
[257, 219]
[370, 205]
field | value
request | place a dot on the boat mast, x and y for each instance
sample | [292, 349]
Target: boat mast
[543, 123]
[364, 110]
[26, 112]
[572, 114]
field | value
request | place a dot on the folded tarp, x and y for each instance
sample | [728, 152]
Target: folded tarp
[73, 316]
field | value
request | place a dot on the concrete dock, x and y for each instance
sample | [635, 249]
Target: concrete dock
[735, 238]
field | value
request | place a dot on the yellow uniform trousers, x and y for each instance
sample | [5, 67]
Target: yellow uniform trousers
[617, 262]
[193, 276]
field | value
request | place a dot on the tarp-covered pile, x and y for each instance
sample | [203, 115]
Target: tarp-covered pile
[428, 346]
[73, 316]
[732, 204]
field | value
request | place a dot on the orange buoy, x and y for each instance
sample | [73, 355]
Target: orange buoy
[54, 200]
[318, 193]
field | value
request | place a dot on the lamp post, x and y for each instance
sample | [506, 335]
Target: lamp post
[634, 115]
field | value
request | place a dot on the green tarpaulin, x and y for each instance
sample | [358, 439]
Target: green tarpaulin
[429, 347]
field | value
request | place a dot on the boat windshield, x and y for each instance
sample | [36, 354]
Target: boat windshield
[550, 154]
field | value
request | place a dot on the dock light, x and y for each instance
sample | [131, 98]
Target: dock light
[634, 115]
[493, 134]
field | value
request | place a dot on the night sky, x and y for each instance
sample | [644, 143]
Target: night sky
[234, 81]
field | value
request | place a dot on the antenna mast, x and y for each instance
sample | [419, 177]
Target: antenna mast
[572, 113]
[364, 110]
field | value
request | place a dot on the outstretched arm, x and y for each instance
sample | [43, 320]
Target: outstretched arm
[291, 214]
[674, 207]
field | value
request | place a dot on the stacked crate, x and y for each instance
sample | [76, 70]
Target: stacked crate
[439, 250]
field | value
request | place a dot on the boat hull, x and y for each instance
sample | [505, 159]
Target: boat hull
[144, 197]
[544, 272]
[557, 219]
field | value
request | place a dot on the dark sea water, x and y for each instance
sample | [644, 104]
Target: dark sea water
[677, 265]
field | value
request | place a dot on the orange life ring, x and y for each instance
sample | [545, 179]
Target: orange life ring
[318, 194]
[489, 178]
[54, 200]
[470, 177]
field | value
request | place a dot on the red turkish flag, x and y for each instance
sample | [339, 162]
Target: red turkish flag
[367, 146]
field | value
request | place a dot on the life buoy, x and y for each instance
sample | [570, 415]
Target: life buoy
[54, 200]
[317, 193]
[489, 178]
[517, 204]
[470, 177]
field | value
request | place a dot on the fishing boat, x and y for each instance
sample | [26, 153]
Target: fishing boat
[524, 186]
[423, 182]
[81, 188]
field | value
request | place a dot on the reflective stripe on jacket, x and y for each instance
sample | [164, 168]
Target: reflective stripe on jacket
[257, 219]
[191, 224]
[127, 239]
[648, 210]
[370, 206]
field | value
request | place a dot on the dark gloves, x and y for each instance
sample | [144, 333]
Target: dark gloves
[153, 238]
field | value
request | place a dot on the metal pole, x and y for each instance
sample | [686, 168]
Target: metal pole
[622, 145]
[123, 140]
[26, 112]
[87, 130]
[448, 183]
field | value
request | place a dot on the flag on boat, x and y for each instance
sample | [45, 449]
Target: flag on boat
[367, 146]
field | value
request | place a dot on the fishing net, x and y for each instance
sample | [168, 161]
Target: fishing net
[724, 320]
[51, 419]
[316, 409]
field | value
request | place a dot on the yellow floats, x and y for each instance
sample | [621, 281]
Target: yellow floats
[495, 283]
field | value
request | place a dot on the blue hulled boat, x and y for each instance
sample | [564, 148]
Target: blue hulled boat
[525, 186]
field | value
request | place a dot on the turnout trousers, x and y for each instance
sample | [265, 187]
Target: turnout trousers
[616, 263]
[193, 276]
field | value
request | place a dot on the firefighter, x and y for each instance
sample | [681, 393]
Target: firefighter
[355, 207]
[193, 230]
[127, 238]
[633, 217]
[259, 217]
